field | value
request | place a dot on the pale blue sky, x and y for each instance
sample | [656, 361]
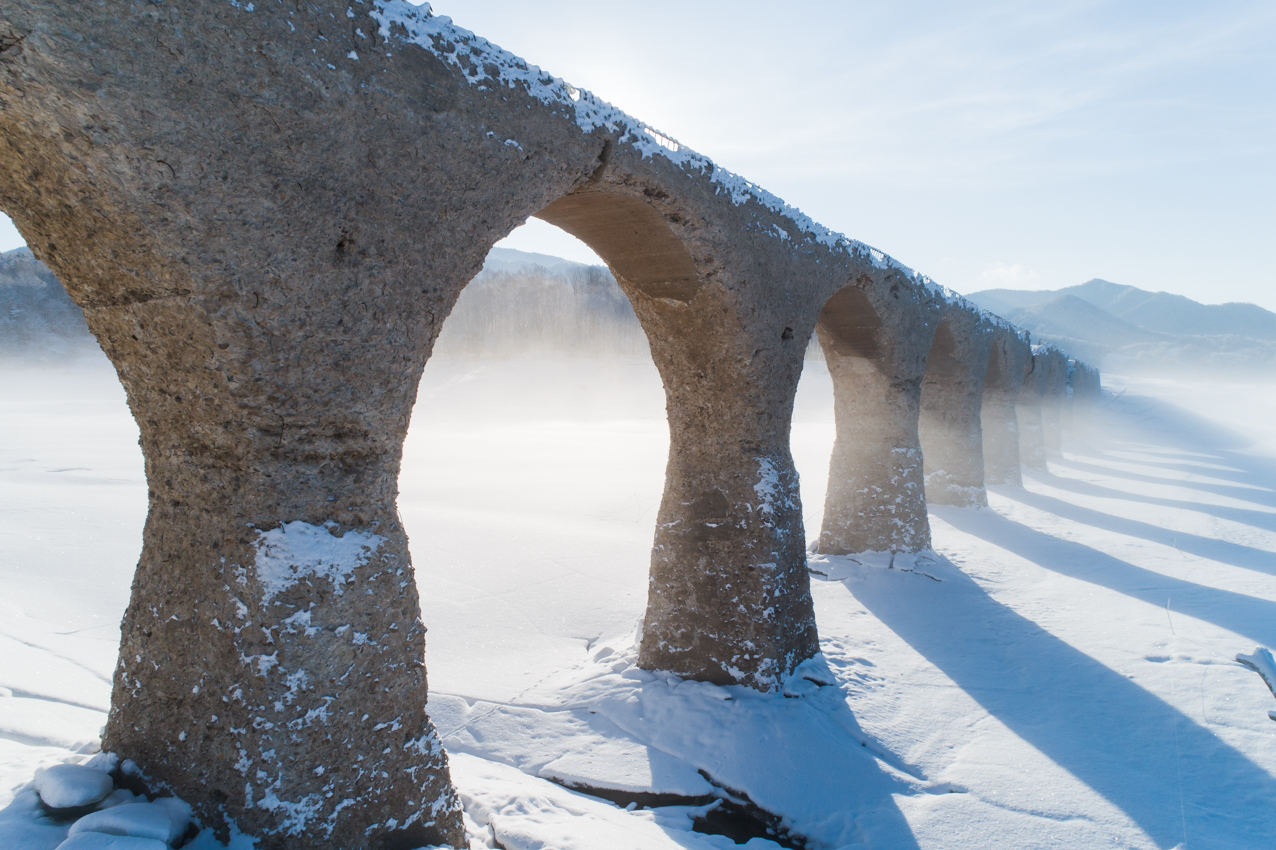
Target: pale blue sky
[985, 144]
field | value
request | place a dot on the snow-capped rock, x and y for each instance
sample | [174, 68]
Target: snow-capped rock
[103, 841]
[139, 820]
[71, 786]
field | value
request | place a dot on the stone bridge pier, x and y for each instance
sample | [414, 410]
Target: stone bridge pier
[1054, 397]
[1010, 357]
[1032, 447]
[874, 334]
[1085, 391]
[267, 271]
[951, 399]
[729, 599]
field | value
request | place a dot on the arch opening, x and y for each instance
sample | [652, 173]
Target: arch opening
[533, 472]
[874, 497]
[704, 507]
[544, 395]
[952, 395]
[850, 324]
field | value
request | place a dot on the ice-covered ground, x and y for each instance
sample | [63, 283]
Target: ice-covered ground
[1061, 674]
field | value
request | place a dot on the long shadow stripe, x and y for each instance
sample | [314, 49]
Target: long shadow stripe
[1104, 729]
[1251, 616]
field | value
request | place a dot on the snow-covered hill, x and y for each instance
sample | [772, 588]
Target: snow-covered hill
[38, 320]
[1131, 329]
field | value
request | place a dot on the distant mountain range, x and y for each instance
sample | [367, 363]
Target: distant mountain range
[510, 260]
[1124, 328]
[37, 317]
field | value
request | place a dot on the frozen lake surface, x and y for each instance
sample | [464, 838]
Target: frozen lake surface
[1061, 674]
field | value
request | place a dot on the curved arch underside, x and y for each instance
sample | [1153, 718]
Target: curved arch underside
[633, 238]
[944, 362]
[851, 323]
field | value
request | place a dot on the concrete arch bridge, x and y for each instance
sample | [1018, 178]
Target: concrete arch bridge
[267, 211]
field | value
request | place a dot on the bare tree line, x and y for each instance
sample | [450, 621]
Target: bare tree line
[572, 308]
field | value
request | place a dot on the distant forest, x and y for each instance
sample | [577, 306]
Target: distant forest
[503, 312]
[510, 308]
[570, 308]
[514, 306]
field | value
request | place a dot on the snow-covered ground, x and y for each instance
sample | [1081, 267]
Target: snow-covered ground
[1061, 673]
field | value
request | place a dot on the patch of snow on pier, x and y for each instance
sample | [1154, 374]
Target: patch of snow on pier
[768, 486]
[298, 550]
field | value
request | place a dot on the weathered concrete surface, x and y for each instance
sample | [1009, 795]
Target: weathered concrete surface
[1054, 396]
[1032, 446]
[875, 340]
[1084, 392]
[952, 395]
[1009, 359]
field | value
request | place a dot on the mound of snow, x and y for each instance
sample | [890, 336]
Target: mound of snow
[103, 841]
[1262, 663]
[573, 746]
[155, 820]
[526, 813]
[70, 786]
